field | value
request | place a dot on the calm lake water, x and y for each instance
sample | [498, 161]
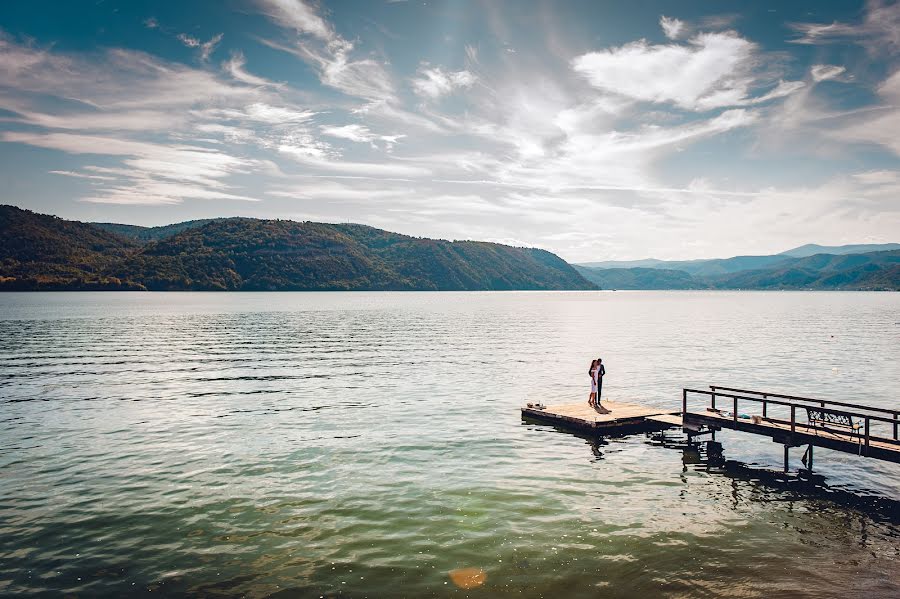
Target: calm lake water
[367, 444]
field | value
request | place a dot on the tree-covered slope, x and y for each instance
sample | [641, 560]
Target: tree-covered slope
[253, 254]
[38, 251]
[148, 234]
[249, 254]
[873, 271]
[640, 278]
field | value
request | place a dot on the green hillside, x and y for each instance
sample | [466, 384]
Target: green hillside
[148, 234]
[640, 278]
[45, 252]
[249, 254]
[873, 271]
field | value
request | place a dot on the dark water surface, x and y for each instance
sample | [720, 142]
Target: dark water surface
[357, 444]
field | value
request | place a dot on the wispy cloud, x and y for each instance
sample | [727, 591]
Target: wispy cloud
[434, 82]
[234, 66]
[824, 72]
[360, 134]
[331, 54]
[672, 27]
[878, 31]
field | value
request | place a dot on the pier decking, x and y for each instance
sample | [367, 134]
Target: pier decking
[612, 416]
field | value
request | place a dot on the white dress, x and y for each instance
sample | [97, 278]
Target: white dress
[593, 380]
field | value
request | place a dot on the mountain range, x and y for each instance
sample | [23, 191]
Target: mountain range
[41, 252]
[859, 267]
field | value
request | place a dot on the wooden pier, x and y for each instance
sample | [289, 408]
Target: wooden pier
[611, 417]
[795, 421]
[789, 420]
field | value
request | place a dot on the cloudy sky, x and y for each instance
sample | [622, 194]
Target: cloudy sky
[598, 130]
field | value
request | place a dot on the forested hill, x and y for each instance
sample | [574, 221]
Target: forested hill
[873, 271]
[45, 252]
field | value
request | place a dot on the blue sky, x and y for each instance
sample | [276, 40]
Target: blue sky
[597, 130]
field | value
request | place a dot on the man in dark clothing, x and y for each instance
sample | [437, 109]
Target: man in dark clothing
[601, 370]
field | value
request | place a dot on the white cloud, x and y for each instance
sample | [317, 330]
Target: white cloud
[824, 72]
[206, 48]
[879, 30]
[234, 66]
[882, 177]
[434, 82]
[712, 70]
[276, 114]
[298, 15]
[77, 175]
[353, 132]
[328, 52]
[360, 134]
[880, 127]
[671, 26]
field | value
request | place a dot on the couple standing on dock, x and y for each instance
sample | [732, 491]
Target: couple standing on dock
[596, 371]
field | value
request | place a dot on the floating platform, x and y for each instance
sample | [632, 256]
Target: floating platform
[610, 418]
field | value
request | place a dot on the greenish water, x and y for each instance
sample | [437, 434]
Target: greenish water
[367, 444]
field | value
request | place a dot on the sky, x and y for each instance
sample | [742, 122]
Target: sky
[596, 130]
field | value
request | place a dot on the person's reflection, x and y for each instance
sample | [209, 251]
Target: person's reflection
[596, 443]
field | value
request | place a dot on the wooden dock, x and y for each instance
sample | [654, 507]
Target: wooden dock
[611, 417]
[866, 431]
[803, 426]
[836, 425]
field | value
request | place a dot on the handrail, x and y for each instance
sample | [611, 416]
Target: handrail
[788, 404]
[796, 398]
[765, 401]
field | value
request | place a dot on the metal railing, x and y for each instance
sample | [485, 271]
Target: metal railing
[867, 414]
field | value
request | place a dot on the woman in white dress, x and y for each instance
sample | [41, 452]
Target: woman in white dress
[593, 373]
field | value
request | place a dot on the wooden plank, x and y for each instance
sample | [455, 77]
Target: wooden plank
[674, 419]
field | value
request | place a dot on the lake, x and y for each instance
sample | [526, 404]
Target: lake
[368, 444]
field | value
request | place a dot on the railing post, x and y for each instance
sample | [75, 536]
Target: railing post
[713, 397]
[793, 418]
[895, 425]
[867, 435]
[765, 405]
[734, 397]
[683, 402]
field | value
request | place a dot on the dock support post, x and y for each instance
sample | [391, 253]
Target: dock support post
[786, 450]
[807, 458]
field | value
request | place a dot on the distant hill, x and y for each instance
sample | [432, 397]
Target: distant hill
[46, 252]
[812, 249]
[722, 266]
[875, 271]
[608, 264]
[147, 234]
[871, 271]
[640, 278]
